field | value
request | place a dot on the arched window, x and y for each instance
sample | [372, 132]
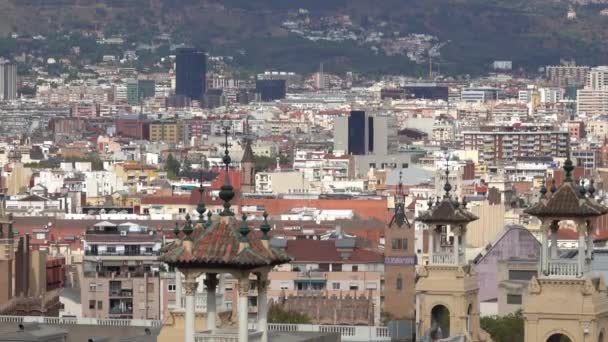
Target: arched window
[440, 322]
[559, 338]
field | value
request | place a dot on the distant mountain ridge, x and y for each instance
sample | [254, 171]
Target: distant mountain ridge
[531, 33]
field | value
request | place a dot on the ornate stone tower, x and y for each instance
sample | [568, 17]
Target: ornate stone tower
[447, 287]
[247, 169]
[399, 262]
[566, 302]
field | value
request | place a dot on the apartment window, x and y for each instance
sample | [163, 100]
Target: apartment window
[335, 286]
[399, 244]
[404, 165]
[92, 287]
[284, 285]
[171, 287]
[355, 268]
[91, 304]
[371, 286]
[521, 274]
[354, 286]
[146, 211]
[399, 284]
[514, 299]
[99, 305]
[182, 210]
[324, 267]
[111, 249]
[336, 267]
[372, 165]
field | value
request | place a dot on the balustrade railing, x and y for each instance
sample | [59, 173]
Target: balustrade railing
[443, 259]
[347, 332]
[563, 268]
[81, 321]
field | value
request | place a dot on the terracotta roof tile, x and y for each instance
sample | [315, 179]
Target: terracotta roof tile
[218, 246]
[325, 251]
[447, 212]
[567, 202]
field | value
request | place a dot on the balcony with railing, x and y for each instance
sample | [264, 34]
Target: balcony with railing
[200, 302]
[346, 332]
[443, 259]
[562, 269]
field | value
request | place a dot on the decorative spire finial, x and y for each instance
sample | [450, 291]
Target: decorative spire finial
[581, 189]
[226, 191]
[244, 230]
[568, 167]
[200, 207]
[429, 203]
[265, 227]
[447, 187]
[176, 230]
[209, 216]
[543, 189]
[553, 187]
[188, 228]
[464, 202]
[591, 188]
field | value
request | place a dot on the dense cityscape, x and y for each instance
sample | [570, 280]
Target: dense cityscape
[168, 193]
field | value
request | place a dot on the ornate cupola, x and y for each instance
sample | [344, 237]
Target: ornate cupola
[222, 246]
[447, 214]
[447, 285]
[569, 204]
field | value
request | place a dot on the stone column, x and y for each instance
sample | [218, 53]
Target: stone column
[263, 305]
[243, 308]
[178, 289]
[431, 243]
[589, 240]
[554, 241]
[190, 286]
[544, 247]
[456, 233]
[211, 282]
[581, 248]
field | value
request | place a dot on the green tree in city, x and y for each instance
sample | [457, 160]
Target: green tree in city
[186, 166]
[172, 167]
[263, 163]
[509, 328]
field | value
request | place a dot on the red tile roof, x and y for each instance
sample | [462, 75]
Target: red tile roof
[306, 250]
[218, 247]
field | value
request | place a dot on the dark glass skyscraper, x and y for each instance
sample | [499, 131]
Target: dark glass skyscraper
[190, 73]
[271, 90]
[356, 132]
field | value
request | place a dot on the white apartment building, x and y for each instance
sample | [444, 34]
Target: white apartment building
[102, 183]
[593, 99]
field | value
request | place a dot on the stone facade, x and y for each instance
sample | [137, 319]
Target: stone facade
[334, 310]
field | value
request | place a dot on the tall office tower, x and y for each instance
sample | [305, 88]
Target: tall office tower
[132, 92]
[8, 81]
[361, 133]
[190, 73]
[270, 90]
